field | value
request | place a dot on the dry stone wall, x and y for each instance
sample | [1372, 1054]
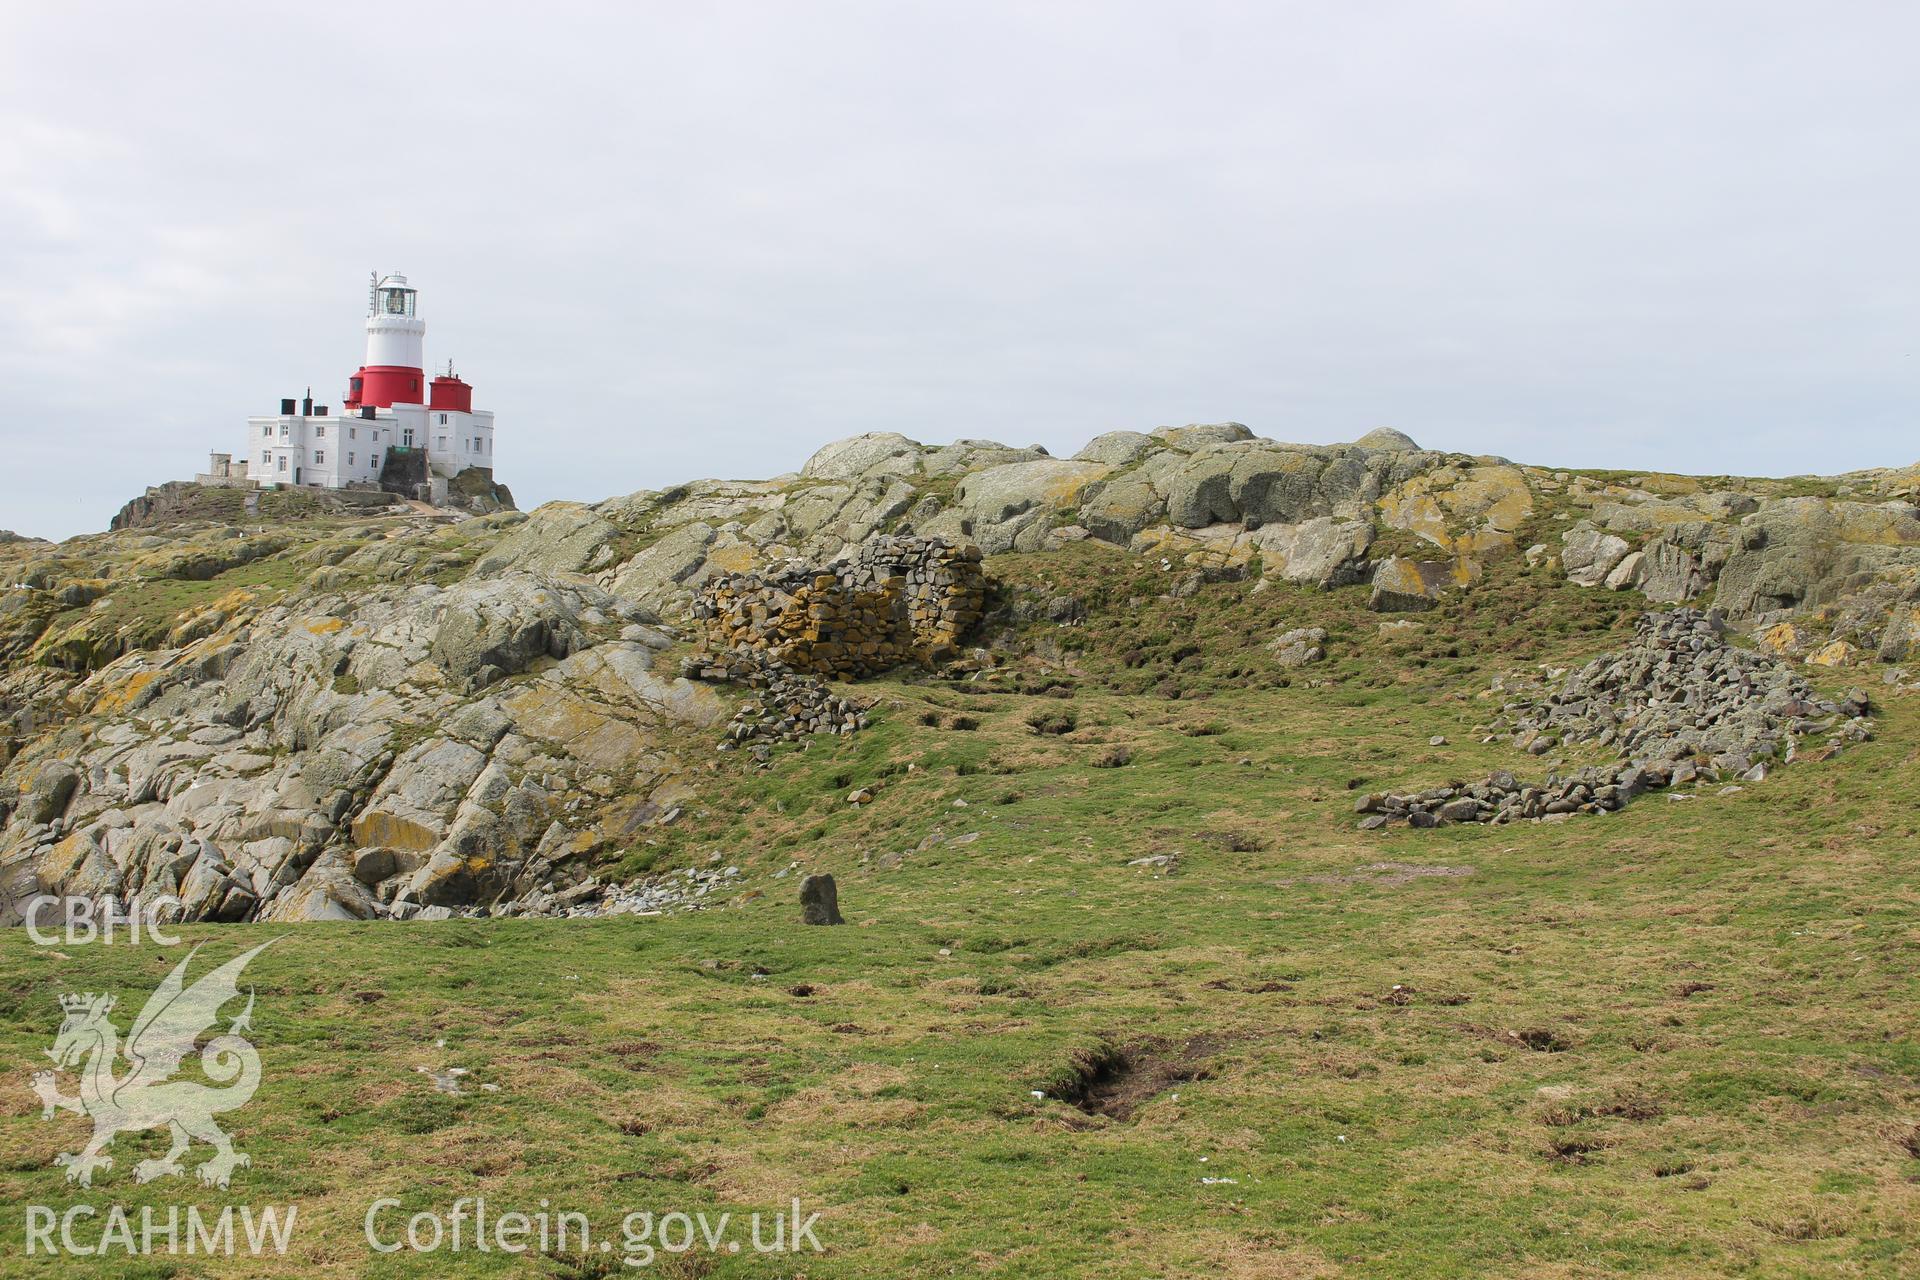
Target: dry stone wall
[897, 600]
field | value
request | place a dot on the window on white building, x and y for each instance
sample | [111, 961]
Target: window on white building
[283, 431]
[319, 457]
[353, 433]
[443, 419]
[283, 462]
[443, 444]
[319, 433]
[265, 459]
[266, 433]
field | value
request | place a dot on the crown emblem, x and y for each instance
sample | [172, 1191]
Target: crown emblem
[87, 1003]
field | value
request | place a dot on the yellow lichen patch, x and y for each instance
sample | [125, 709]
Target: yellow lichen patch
[122, 693]
[1497, 497]
[235, 600]
[1416, 512]
[65, 857]
[208, 619]
[1402, 576]
[1065, 491]
[1837, 653]
[1214, 547]
[393, 832]
[588, 732]
[1465, 513]
[737, 558]
[324, 626]
[1465, 569]
[1671, 486]
[1877, 525]
[1781, 638]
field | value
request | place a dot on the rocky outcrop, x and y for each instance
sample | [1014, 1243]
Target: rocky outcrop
[363, 755]
[657, 576]
[1386, 438]
[561, 537]
[863, 455]
[1116, 448]
[474, 489]
[179, 502]
[1012, 507]
[488, 629]
[1754, 555]
[1210, 495]
[276, 705]
[1323, 551]
[1589, 556]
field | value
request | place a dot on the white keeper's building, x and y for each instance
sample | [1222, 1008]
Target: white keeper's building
[396, 430]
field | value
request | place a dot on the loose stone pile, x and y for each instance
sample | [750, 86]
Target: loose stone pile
[1679, 704]
[687, 889]
[899, 599]
[793, 705]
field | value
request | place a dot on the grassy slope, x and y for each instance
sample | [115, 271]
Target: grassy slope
[1720, 990]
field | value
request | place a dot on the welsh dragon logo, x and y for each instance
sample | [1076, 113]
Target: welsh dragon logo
[147, 1097]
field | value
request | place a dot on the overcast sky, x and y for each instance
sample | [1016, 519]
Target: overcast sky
[666, 242]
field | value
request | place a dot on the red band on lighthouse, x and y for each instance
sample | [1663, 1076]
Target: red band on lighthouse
[386, 385]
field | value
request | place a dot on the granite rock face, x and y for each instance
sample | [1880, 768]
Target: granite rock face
[1757, 555]
[348, 747]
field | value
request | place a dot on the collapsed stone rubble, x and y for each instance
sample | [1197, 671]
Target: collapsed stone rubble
[1680, 705]
[791, 705]
[687, 889]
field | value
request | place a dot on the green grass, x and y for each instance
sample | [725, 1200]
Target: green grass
[1675, 1041]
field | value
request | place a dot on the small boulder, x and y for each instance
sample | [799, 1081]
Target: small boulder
[47, 796]
[820, 901]
[1116, 448]
[1588, 555]
[1298, 647]
[1401, 585]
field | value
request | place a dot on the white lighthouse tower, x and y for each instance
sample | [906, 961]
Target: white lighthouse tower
[396, 342]
[398, 430]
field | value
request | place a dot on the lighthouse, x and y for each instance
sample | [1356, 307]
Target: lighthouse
[395, 368]
[397, 430]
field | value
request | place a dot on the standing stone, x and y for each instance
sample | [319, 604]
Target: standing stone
[820, 901]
